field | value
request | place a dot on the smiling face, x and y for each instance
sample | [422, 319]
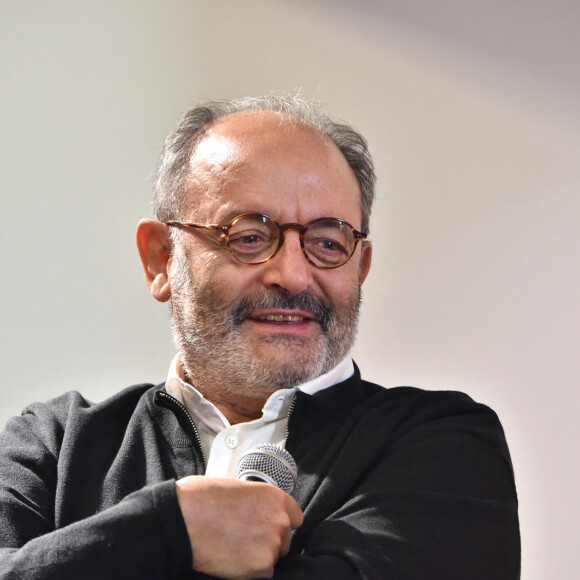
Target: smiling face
[252, 329]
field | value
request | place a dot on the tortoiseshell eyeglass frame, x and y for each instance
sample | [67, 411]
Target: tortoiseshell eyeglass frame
[281, 228]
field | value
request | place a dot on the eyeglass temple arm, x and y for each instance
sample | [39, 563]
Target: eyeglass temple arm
[194, 225]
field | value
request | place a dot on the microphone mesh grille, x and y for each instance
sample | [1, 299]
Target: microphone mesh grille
[272, 461]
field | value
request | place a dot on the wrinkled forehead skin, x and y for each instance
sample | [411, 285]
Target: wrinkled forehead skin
[246, 148]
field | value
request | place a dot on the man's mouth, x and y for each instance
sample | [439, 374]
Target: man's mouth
[274, 308]
[280, 317]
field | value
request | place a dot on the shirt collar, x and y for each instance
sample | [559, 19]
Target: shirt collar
[342, 371]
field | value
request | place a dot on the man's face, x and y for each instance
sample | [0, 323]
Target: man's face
[272, 325]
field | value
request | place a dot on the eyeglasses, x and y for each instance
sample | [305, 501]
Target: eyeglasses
[254, 238]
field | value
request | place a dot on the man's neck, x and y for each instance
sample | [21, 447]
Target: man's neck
[241, 402]
[239, 411]
[238, 404]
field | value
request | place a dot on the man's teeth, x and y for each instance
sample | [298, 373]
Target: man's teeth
[280, 318]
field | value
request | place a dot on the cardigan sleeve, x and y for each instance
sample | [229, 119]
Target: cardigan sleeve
[437, 500]
[143, 536]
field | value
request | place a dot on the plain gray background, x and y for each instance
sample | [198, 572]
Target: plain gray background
[471, 111]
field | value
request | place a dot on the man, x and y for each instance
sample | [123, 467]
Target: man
[260, 242]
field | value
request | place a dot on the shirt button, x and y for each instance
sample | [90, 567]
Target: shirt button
[231, 442]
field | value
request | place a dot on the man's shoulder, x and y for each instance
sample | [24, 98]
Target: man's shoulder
[356, 391]
[73, 407]
[70, 423]
[419, 405]
[401, 408]
[418, 395]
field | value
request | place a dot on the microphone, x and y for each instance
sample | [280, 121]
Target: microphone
[269, 463]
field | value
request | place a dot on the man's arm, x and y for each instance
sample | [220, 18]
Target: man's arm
[239, 529]
[143, 536]
[133, 539]
[428, 495]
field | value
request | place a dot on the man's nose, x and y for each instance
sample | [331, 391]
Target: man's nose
[288, 269]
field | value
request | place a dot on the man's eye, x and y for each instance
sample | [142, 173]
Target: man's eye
[330, 245]
[251, 239]
[247, 240]
[327, 245]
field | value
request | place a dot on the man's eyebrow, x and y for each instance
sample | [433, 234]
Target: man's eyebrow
[228, 217]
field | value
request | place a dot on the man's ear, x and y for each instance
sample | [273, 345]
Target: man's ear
[154, 248]
[365, 260]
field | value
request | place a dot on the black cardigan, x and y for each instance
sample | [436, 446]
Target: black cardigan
[394, 483]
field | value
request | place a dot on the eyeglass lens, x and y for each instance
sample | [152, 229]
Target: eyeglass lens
[327, 242]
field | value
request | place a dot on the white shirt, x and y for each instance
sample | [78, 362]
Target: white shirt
[223, 444]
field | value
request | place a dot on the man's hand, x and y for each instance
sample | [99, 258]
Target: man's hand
[237, 529]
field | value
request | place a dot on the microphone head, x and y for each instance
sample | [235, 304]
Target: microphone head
[269, 463]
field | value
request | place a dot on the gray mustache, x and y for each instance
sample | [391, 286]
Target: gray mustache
[318, 308]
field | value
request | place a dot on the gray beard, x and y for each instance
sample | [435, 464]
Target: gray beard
[209, 338]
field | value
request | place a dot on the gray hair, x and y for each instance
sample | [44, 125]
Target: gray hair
[172, 170]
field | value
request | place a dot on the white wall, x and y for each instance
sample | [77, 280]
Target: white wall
[471, 112]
